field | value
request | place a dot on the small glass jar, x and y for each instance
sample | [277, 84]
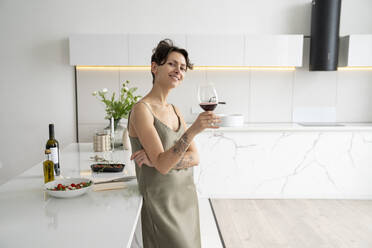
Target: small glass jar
[101, 142]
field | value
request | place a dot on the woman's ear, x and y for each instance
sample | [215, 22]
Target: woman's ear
[154, 67]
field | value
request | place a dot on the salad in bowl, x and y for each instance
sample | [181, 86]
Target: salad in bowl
[68, 187]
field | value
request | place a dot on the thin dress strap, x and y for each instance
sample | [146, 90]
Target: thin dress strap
[174, 109]
[178, 117]
[148, 107]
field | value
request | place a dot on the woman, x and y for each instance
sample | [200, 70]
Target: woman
[164, 153]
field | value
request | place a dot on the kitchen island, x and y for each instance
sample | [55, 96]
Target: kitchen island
[31, 218]
[286, 160]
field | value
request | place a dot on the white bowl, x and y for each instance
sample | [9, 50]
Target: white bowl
[232, 120]
[68, 193]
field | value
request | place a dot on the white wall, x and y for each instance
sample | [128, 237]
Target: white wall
[37, 84]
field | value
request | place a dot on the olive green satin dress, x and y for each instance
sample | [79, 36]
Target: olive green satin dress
[170, 213]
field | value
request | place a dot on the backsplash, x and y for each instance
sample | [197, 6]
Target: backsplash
[261, 96]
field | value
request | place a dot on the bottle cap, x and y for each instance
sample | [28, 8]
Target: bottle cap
[47, 151]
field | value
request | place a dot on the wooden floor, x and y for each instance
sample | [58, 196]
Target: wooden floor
[295, 223]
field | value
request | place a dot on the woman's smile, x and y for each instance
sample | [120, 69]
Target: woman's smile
[174, 77]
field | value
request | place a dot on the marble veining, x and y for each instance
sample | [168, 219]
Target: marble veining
[283, 164]
[350, 149]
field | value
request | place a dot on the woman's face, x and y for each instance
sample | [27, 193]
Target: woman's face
[171, 73]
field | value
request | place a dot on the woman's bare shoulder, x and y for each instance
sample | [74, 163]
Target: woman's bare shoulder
[140, 118]
[141, 114]
[140, 108]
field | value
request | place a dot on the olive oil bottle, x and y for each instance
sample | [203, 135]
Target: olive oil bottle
[48, 167]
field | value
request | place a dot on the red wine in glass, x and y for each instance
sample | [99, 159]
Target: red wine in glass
[208, 106]
[207, 95]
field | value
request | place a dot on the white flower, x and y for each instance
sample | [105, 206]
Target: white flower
[124, 100]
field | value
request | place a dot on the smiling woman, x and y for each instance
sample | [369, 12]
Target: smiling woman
[165, 154]
[161, 55]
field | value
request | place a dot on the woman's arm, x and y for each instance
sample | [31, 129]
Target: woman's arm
[188, 160]
[191, 156]
[142, 121]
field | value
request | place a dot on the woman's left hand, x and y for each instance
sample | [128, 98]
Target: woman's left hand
[141, 158]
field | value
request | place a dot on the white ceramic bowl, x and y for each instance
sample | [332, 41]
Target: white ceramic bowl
[232, 120]
[68, 193]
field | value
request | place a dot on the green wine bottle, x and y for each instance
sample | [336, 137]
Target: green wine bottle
[53, 145]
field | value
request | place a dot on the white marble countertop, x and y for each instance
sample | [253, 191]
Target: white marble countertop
[262, 127]
[30, 218]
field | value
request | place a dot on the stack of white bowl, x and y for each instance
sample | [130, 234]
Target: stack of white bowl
[231, 120]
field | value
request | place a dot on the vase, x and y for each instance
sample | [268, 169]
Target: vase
[126, 141]
[118, 132]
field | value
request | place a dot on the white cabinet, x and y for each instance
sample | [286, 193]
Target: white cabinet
[99, 49]
[356, 50]
[204, 49]
[273, 50]
[216, 50]
[141, 46]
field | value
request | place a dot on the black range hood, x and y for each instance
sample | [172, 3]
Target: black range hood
[325, 29]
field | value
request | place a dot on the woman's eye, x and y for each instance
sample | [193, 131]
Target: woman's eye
[170, 63]
[183, 69]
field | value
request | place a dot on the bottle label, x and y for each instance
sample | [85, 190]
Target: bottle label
[54, 153]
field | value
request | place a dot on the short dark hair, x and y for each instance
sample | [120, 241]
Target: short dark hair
[163, 49]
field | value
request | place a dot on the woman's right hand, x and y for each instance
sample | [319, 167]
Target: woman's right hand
[205, 120]
[141, 158]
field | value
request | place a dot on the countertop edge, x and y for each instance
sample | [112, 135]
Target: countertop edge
[293, 127]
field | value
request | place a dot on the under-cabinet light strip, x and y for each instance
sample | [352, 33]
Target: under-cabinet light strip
[112, 67]
[355, 68]
[197, 68]
[242, 68]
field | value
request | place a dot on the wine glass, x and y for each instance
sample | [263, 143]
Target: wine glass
[208, 98]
